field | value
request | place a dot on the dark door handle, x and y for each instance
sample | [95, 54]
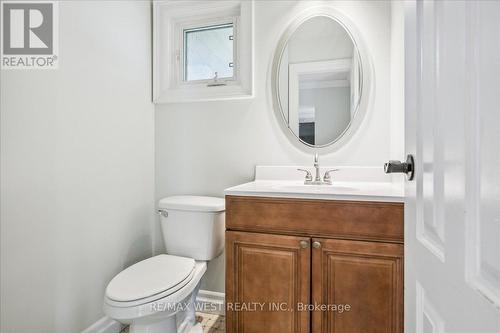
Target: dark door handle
[407, 167]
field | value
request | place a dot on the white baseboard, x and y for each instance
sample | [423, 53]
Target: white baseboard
[105, 325]
[213, 302]
[210, 301]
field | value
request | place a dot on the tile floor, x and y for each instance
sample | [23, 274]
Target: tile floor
[211, 323]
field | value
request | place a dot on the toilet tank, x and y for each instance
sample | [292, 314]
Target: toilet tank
[193, 226]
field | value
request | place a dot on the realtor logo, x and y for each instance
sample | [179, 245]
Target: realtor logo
[29, 35]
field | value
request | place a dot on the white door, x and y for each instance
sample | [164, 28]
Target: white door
[452, 221]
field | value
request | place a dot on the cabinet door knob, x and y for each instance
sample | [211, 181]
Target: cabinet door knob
[316, 245]
[304, 244]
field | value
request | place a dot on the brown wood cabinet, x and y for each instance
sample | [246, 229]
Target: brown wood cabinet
[367, 276]
[281, 277]
[273, 271]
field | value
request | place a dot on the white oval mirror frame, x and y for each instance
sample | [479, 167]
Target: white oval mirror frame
[366, 75]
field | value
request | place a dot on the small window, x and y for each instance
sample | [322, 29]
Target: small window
[203, 57]
[208, 53]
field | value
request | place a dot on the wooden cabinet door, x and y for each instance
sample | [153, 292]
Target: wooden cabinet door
[366, 276]
[272, 270]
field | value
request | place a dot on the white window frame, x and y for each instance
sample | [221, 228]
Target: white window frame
[181, 47]
[170, 19]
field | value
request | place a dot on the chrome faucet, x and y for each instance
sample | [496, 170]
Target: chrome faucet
[308, 180]
[317, 178]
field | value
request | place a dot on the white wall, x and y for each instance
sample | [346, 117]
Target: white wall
[203, 148]
[397, 81]
[77, 150]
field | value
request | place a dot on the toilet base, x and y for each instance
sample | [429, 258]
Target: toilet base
[163, 327]
[196, 329]
[166, 325]
[179, 322]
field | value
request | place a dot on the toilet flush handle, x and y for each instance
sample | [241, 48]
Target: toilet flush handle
[162, 212]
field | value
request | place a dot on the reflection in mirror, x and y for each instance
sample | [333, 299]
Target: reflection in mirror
[319, 81]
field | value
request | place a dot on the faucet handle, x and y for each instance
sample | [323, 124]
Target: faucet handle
[327, 178]
[309, 177]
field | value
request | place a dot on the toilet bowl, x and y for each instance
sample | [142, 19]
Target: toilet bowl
[159, 294]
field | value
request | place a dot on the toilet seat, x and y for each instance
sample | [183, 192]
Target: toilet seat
[127, 312]
[149, 280]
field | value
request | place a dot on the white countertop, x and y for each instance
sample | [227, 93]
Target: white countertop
[371, 186]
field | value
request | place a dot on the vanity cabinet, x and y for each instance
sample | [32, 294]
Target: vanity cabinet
[368, 276]
[272, 270]
[285, 256]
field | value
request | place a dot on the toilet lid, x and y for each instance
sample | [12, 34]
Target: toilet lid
[193, 203]
[149, 277]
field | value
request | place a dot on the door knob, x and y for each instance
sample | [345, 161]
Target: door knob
[407, 167]
[304, 244]
[316, 245]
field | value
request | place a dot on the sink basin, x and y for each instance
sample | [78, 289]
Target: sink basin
[312, 188]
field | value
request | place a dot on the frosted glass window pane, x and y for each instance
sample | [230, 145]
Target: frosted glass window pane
[208, 50]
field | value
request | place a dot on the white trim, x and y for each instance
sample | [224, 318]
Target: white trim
[180, 28]
[325, 84]
[336, 65]
[212, 300]
[167, 17]
[105, 325]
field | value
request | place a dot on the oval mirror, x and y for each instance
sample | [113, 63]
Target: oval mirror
[318, 81]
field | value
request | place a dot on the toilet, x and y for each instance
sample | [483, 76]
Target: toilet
[158, 294]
